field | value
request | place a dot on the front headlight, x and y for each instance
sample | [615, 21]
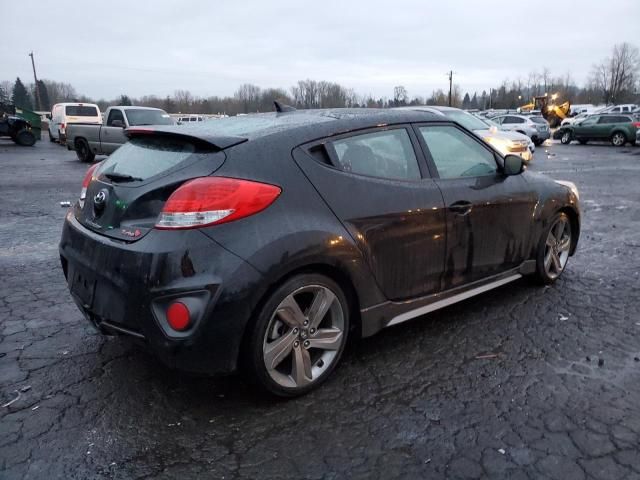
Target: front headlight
[571, 186]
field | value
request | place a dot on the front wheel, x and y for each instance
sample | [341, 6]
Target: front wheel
[25, 138]
[565, 139]
[618, 139]
[554, 249]
[298, 336]
[83, 151]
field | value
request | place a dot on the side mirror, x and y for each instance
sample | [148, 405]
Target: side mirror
[513, 165]
[117, 123]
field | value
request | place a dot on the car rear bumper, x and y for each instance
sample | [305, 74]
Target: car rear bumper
[542, 135]
[125, 288]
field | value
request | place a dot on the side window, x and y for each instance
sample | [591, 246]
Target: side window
[590, 121]
[456, 154]
[505, 120]
[115, 115]
[387, 154]
[517, 120]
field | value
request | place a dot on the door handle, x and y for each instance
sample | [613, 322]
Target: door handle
[461, 207]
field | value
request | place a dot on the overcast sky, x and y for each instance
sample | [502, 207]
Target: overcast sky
[138, 47]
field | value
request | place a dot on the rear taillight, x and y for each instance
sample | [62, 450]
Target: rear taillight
[213, 200]
[636, 124]
[88, 177]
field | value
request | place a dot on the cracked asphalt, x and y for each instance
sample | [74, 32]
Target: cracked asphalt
[523, 382]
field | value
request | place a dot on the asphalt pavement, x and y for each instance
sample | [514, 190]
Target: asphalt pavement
[523, 382]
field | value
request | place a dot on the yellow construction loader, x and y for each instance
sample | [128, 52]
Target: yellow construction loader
[554, 113]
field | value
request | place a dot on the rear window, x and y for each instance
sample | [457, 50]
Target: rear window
[538, 120]
[147, 157]
[148, 117]
[81, 111]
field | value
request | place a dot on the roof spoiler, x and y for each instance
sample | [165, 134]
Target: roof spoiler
[282, 107]
[217, 142]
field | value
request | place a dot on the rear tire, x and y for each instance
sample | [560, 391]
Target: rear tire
[51, 139]
[84, 153]
[25, 138]
[290, 351]
[554, 248]
[618, 139]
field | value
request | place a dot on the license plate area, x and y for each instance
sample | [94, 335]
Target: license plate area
[83, 286]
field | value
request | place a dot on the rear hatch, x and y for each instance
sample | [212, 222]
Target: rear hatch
[127, 191]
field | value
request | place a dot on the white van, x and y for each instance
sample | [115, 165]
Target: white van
[65, 113]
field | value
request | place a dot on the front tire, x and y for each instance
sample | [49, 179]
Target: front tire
[298, 336]
[83, 152]
[554, 249]
[25, 138]
[566, 138]
[618, 139]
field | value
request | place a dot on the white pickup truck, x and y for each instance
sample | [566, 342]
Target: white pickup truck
[91, 140]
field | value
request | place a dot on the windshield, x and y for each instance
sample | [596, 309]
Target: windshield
[147, 117]
[80, 111]
[465, 119]
[143, 158]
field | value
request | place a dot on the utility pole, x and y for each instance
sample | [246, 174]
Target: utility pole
[35, 78]
[450, 84]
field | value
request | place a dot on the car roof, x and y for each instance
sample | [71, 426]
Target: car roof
[135, 107]
[299, 126]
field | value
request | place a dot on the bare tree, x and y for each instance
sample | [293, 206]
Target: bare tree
[400, 95]
[615, 76]
[249, 96]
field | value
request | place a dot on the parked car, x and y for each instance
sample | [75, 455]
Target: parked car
[618, 129]
[504, 141]
[535, 127]
[626, 108]
[269, 240]
[190, 118]
[572, 120]
[90, 140]
[63, 114]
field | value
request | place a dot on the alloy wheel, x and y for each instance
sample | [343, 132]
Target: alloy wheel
[303, 336]
[618, 139]
[566, 138]
[557, 248]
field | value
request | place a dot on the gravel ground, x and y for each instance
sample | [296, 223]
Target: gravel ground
[523, 382]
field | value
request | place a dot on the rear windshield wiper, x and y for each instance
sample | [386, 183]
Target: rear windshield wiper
[120, 177]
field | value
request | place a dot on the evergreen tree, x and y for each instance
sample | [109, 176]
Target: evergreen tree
[45, 103]
[20, 96]
[466, 102]
[125, 101]
[169, 105]
[474, 101]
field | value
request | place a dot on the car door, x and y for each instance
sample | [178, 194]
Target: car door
[488, 213]
[376, 183]
[111, 137]
[586, 129]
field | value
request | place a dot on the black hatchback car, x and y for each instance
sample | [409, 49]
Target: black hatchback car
[267, 240]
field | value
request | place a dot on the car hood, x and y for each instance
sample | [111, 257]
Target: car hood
[502, 134]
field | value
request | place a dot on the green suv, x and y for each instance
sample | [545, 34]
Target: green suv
[618, 129]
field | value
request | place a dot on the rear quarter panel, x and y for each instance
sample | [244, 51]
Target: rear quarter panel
[297, 230]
